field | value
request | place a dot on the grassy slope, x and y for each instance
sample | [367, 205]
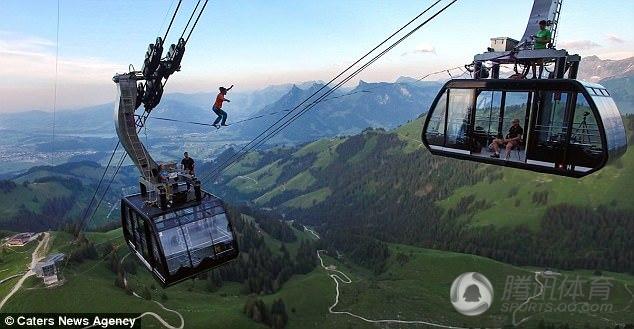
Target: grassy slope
[300, 182]
[15, 260]
[32, 197]
[614, 182]
[309, 199]
[266, 177]
[410, 133]
[275, 245]
[366, 151]
[615, 186]
[417, 290]
[507, 208]
[247, 164]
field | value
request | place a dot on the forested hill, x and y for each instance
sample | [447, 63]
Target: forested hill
[49, 197]
[385, 185]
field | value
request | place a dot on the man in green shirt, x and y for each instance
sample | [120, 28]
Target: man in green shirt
[543, 36]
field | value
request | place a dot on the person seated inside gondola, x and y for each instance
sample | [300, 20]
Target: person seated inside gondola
[512, 140]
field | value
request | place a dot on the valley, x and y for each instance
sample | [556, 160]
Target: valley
[344, 221]
[411, 290]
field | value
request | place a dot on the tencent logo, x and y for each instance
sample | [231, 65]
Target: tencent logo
[471, 293]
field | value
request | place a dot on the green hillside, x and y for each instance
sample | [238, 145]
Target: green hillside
[13, 261]
[264, 185]
[48, 197]
[414, 287]
[30, 196]
[385, 184]
[510, 198]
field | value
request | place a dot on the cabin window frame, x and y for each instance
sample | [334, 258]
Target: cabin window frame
[571, 88]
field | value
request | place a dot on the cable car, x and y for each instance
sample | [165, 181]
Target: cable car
[563, 126]
[572, 128]
[180, 242]
[175, 229]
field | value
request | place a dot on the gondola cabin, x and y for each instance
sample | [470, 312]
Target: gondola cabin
[180, 242]
[172, 226]
[569, 127]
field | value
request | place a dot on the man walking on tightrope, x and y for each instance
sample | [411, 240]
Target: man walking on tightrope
[217, 108]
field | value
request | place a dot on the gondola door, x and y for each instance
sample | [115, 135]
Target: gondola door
[487, 121]
[550, 129]
[458, 118]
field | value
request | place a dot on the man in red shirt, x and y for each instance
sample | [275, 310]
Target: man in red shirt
[217, 108]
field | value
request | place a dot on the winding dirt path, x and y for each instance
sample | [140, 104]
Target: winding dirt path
[541, 291]
[248, 178]
[339, 276]
[38, 254]
[152, 314]
[11, 277]
[312, 232]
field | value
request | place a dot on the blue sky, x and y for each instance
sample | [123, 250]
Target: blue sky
[256, 43]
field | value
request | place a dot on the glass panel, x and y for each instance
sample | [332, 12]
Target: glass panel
[127, 213]
[166, 221]
[612, 123]
[460, 104]
[198, 237]
[218, 210]
[186, 216]
[487, 119]
[221, 233]
[175, 249]
[435, 133]
[585, 148]
[509, 144]
[158, 261]
[135, 228]
[551, 125]
[192, 235]
[139, 236]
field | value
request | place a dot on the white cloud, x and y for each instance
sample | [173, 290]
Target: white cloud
[33, 58]
[576, 45]
[421, 49]
[28, 75]
[615, 39]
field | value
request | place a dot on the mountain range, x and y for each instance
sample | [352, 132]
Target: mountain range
[99, 119]
[595, 69]
[380, 105]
